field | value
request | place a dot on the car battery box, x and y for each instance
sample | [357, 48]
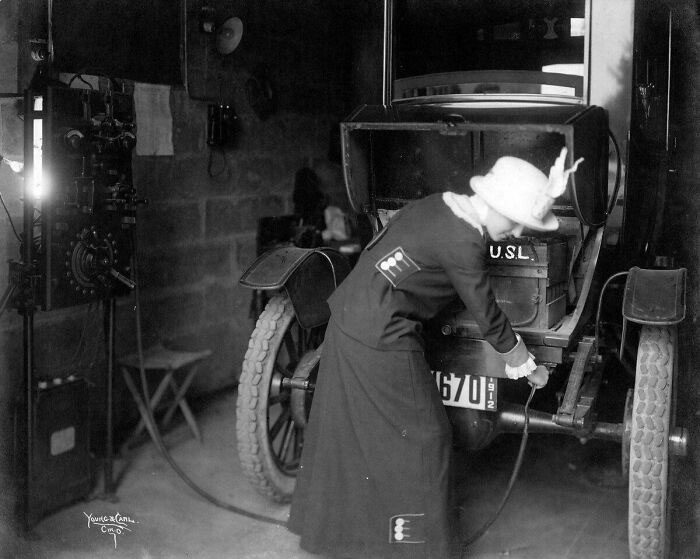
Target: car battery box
[529, 280]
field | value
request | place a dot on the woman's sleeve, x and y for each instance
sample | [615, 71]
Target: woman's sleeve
[466, 268]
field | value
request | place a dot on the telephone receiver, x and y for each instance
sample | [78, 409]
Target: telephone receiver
[220, 119]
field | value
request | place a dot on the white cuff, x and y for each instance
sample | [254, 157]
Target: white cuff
[518, 354]
[521, 370]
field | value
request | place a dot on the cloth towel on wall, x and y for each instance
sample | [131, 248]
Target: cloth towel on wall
[154, 121]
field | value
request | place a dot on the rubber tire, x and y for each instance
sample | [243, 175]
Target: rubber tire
[254, 447]
[652, 415]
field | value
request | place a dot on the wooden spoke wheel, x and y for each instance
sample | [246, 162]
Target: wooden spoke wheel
[271, 415]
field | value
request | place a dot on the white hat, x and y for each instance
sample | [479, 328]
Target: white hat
[521, 192]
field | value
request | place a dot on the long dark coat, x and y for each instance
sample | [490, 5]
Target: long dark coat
[375, 471]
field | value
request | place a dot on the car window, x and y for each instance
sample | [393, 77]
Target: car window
[489, 47]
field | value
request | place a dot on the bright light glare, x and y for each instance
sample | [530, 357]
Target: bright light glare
[37, 185]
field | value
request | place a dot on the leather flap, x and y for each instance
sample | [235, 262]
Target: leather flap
[654, 297]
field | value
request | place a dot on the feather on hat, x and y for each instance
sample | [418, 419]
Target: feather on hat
[556, 185]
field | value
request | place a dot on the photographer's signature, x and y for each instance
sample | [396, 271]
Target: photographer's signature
[111, 524]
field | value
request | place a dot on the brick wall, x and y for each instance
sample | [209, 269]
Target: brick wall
[197, 234]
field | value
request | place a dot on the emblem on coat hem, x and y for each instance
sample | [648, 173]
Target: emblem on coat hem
[396, 266]
[407, 528]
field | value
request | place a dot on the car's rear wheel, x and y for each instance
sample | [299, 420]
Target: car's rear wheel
[652, 411]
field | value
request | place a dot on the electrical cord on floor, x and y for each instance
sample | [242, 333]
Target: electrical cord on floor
[516, 469]
[152, 427]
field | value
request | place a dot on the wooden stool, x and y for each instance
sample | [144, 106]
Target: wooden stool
[159, 359]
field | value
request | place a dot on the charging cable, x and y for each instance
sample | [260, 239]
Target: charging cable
[146, 413]
[516, 470]
[152, 427]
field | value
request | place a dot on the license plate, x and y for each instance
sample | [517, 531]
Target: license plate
[467, 391]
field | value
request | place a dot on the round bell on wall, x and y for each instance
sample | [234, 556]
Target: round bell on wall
[229, 35]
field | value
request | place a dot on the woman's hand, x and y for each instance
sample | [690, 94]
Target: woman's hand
[539, 377]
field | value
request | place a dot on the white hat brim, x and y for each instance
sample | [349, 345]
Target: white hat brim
[495, 199]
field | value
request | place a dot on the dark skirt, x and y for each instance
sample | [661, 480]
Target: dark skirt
[375, 469]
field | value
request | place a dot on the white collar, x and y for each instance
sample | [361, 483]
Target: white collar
[481, 207]
[467, 208]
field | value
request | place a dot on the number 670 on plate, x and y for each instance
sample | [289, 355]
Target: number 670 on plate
[467, 391]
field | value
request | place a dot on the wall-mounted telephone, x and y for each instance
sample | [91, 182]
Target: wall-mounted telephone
[220, 121]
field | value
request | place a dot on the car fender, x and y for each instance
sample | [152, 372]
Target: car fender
[655, 297]
[308, 275]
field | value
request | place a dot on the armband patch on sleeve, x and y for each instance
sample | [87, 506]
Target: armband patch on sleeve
[396, 266]
[407, 528]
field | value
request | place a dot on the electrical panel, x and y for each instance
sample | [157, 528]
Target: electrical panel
[88, 201]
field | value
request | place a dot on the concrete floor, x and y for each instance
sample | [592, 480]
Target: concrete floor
[568, 503]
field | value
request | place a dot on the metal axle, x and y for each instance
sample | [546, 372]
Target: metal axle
[511, 419]
[299, 383]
